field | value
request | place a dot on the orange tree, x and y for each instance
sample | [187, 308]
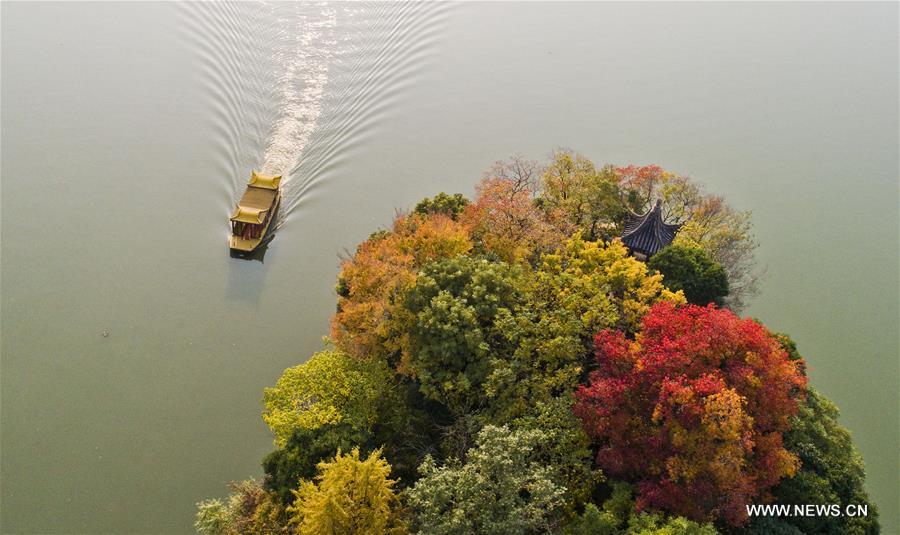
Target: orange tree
[384, 267]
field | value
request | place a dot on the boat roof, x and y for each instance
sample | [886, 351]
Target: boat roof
[258, 198]
[249, 215]
[259, 180]
[254, 204]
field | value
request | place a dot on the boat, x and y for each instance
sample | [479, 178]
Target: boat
[251, 222]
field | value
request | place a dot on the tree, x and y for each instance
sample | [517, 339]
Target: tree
[504, 219]
[565, 448]
[619, 516]
[500, 489]
[690, 270]
[600, 284]
[724, 233]
[442, 203]
[831, 471]
[286, 467]
[727, 237]
[351, 496]
[212, 518]
[249, 510]
[545, 360]
[452, 310]
[383, 268]
[330, 388]
[693, 411]
[403, 431]
[583, 196]
[644, 185]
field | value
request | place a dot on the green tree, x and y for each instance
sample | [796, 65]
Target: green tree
[566, 448]
[831, 471]
[330, 388]
[545, 360]
[692, 271]
[619, 516]
[442, 203]
[304, 450]
[351, 496]
[501, 489]
[452, 309]
[213, 518]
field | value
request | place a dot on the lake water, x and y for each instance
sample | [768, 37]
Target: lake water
[128, 130]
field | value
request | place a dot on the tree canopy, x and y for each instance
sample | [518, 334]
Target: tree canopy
[330, 388]
[505, 365]
[694, 411]
[691, 270]
[351, 495]
[501, 488]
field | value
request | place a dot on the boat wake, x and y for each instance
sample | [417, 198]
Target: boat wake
[305, 48]
[296, 86]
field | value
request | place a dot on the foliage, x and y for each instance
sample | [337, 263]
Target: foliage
[726, 236]
[600, 284]
[250, 510]
[351, 496]
[724, 233]
[620, 517]
[304, 450]
[690, 269]
[452, 333]
[329, 388]
[565, 448]
[502, 488]
[212, 518]
[694, 410]
[646, 184]
[504, 219]
[545, 360]
[371, 282]
[496, 360]
[442, 203]
[583, 196]
[831, 471]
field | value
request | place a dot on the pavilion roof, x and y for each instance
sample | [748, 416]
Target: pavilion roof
[648, 233]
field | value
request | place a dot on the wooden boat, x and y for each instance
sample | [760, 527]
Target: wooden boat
[255, 212]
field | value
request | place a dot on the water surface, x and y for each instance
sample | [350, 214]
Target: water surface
[129, 129]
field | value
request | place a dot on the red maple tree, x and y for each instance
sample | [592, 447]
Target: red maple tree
[693, 411]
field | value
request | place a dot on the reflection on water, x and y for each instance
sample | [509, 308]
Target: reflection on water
[258, 254]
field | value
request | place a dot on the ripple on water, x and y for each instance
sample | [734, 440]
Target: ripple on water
[297, 87]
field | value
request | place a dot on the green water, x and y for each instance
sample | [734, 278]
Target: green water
[127, 130]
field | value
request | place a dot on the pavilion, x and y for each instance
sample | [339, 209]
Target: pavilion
[646, 234]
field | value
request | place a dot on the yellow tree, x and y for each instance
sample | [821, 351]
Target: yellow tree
[350, 496]
[577, 193]
[601, 284]
[330, 388]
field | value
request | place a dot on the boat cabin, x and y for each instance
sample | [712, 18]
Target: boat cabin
[253, 215]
